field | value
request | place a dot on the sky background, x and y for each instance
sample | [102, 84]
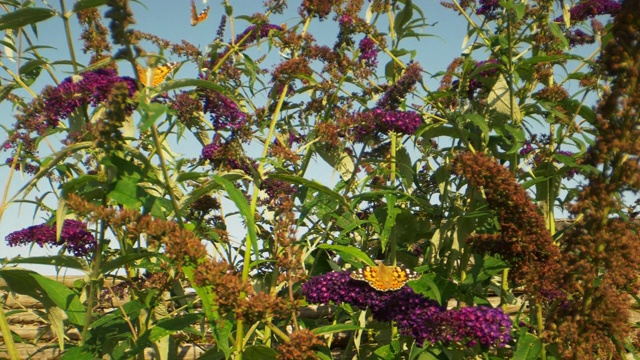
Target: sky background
[170, 19]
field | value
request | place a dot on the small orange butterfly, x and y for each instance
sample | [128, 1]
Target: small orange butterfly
[158, 74]
[385, 278]
[195, 17]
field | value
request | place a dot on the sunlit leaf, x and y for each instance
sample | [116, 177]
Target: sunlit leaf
[24, 17]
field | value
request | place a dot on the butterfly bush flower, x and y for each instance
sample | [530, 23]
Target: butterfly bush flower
[395, 93]
[57, 103]
[578, 37]
[74, 235]
[489, 72]
[92, 87]
[255, 35]
[592, 8]
[379, 121]
[488, 8]
[415, 315]
[368, 52]
[225, 114]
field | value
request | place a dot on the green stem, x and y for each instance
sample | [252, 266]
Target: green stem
[254, 204]
[165, 173]
[540, 323]
[67, 30]
[393, 240]
[6, 334]
[18, 80]
[93, 280]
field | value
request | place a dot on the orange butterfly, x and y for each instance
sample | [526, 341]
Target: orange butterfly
[158, 74]
[385, 278]
[195, 17]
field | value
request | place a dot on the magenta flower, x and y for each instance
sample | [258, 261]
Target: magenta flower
[488, 8]
[592, 8]
[225, 114]
[415, 315]
[379, 121]
[368, 52]
[255, 35]
[74, 235]
[395, 93]
[92, 87]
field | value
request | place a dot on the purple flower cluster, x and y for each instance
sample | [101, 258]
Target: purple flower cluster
[395, 93]
[475, 325]
[488, 8]
[225, 114]
[368, 52]
[381, 121]
[592, 8]
[578, 37]
[27, 168]
[92, 87]
[345, 20]
[526, 149]
[275, 187]
[414, 314]
[256, 33]
[74, 235]
[475, 84]
[209, 151]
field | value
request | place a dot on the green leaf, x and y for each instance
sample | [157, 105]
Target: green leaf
[170, 326]
[349, 254]
[212, 354]
[258, 352]
[402, 18]
[384, 353]
[78, 353]
[177, 84]
[151, 112]
[390, 222]
[23, 17]
[339, 160]
[427, 286]
[310, 184]
[501, 100]
[48, 292]
[404, 166]
[87, 4]
[240, 201]
[481, 122]
[529, 347]
[60, 261]
[119, 261]
[126, 193]
[330, 329]
[114, 318]
[221, 330]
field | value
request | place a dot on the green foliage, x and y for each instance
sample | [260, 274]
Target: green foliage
[292, 156]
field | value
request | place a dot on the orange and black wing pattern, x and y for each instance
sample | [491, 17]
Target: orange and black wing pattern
[158, 74]
[195, 17]
[385, 278]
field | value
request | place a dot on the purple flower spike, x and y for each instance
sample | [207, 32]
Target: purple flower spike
[381, 121]
[74, 234]
[592, 8]
[92, 87]
[225, 114]
[415, 315]
[368, 52]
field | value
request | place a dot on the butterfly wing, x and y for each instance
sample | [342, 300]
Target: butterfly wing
[158, 75]
[194, 13]
[195, 17]
[385, 278]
